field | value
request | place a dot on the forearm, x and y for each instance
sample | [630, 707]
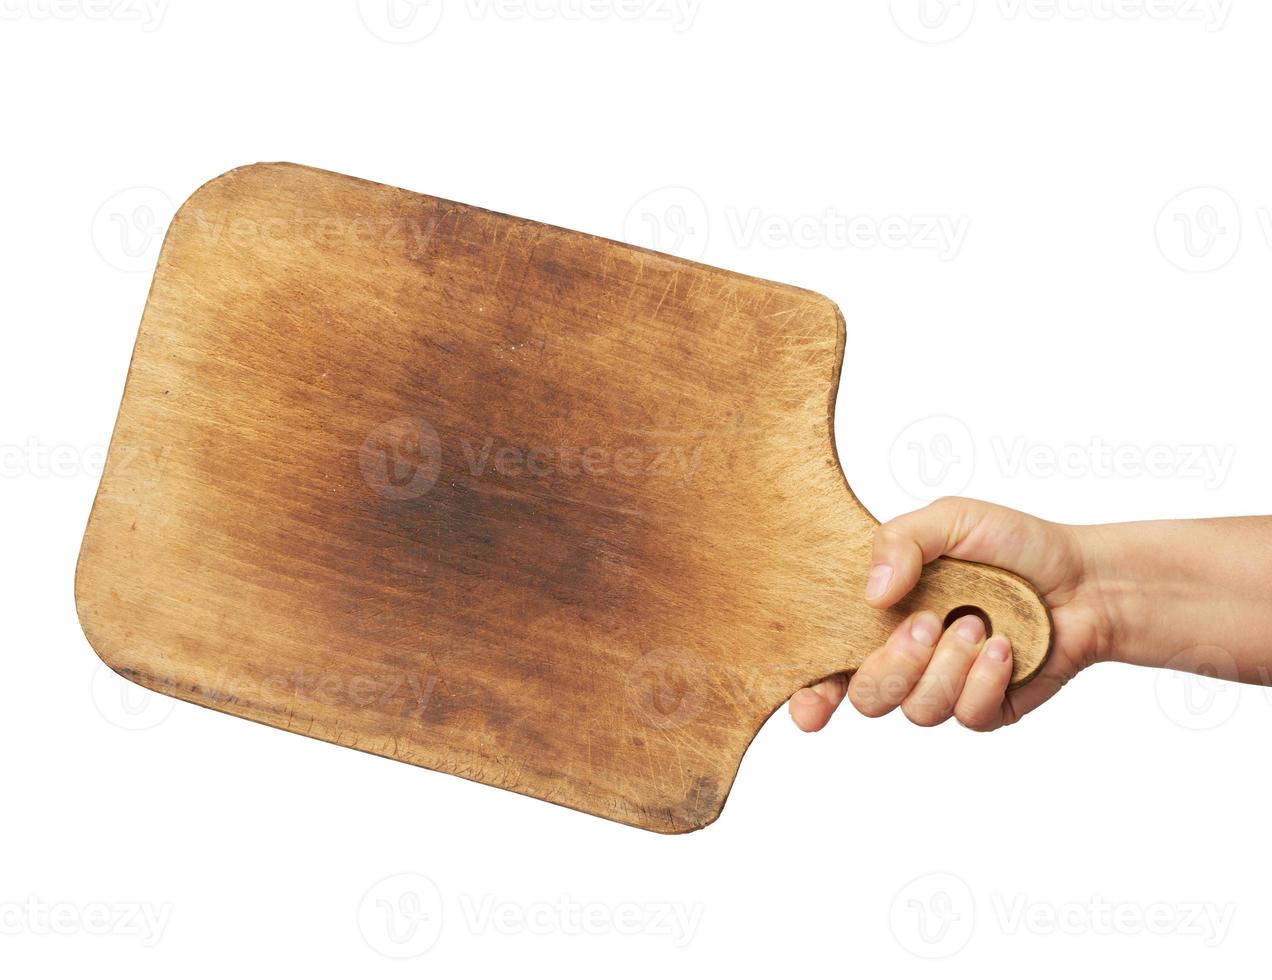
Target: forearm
[1186, 594]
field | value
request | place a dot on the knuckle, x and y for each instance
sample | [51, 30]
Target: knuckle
[894, 679]
[954, 514]
[950, 508]
[890, 538]
[907, 658]
[885, 537]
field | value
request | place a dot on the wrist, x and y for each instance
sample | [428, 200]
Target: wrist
[1116, 589]
[1155, 588]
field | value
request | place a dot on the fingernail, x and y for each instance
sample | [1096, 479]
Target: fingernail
[998, 649]
[877, 584]
[805, 697]
[971, 629]
[926, 628]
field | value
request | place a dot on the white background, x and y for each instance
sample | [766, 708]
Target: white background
[1092, 343]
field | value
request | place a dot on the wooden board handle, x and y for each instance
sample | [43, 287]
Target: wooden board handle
[1010, 604]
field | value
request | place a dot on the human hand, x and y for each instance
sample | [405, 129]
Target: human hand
[961, 673]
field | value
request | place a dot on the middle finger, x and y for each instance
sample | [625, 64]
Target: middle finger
[933, 698]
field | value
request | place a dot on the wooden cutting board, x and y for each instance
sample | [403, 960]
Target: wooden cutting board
[499, 499]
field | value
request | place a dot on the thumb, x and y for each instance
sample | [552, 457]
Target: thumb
[961, 528]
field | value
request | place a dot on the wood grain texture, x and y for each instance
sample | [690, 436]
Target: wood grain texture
[499, 499]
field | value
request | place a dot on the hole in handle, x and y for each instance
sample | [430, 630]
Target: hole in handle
[958, 612]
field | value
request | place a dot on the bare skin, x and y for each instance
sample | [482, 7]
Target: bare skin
[1184, 595]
